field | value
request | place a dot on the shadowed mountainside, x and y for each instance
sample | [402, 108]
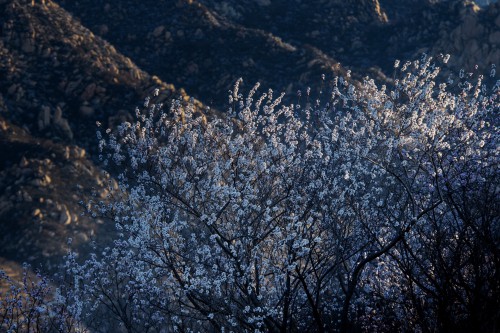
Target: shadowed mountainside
[57, 80]
[205, 45]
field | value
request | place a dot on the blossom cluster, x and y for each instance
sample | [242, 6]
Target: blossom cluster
[274, 217]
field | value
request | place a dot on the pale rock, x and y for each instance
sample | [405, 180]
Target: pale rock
[66, 153]
[158, 31]
[81, 237]
[57, 115]
[114, 184]
[112, 68]
[36, 212]
[46, 52]
[65, 216]
[103, 193]
[24, 162]
[86, 110]
[66, 129]
[77, 152]
[3, 125]
[89, 92]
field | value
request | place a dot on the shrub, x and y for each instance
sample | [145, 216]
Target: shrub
[32, 305]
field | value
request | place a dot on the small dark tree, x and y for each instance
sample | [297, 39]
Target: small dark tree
[33, 306]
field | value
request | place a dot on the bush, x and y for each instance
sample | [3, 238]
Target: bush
[33, 306]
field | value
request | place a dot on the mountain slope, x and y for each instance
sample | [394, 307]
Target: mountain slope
[202, 50]
[206, 45]
[58, 79]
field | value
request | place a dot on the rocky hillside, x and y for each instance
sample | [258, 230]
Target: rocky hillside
[475, 40]
[205, 45]
[66, 64]
[57, 80]
[200, 48]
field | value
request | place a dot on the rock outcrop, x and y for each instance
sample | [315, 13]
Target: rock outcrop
[199, 48]
[476, 38]
[205, 45]
[58, 78]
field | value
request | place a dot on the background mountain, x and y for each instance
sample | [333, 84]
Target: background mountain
[64, 65]
[57, 80]
[205, 45]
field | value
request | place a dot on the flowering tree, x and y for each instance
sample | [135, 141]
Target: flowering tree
[31, 305]
[286, 218]
[443, 272]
